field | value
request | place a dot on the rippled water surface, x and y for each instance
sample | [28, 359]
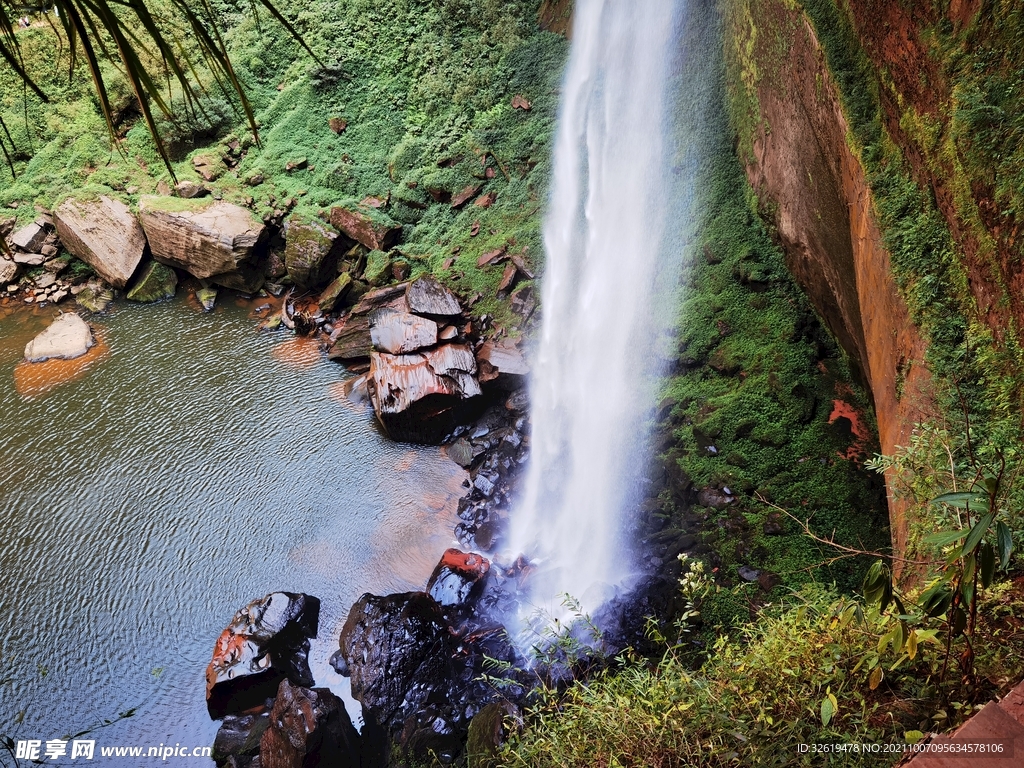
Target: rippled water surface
[188, 465]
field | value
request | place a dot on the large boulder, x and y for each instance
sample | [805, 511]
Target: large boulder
[309, 728]
[156, 282]
[366, 225]
[420, 397]
[103, 233]
[426, 296]
[397, 650]
[266, 642]
[68, 337]
[211, 240]
[311, 252]
[400, 332]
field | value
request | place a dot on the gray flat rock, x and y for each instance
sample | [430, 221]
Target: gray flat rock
[68, 337]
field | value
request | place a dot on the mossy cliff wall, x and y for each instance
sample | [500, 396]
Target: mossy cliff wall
[811, 186]
[883, 142]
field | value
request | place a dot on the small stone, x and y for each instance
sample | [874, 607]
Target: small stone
[49, 250]
[519, 102]
[190, 189]
[29, 259]
[45, 280]
[207, 298]
[461, 198]
[486, 201]
[29, 238]
[461, 452]
[296, 165]
[749, 574]
[338, 124]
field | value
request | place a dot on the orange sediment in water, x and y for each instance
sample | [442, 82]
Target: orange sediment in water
[35, 379]
[300, 353]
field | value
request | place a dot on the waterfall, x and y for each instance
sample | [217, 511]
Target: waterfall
[609, 260]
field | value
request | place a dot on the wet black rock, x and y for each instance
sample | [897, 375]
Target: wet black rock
[266, 642]
[457, 577]
[397, 650]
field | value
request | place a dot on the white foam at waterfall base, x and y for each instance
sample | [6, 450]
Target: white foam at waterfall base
[606, 236]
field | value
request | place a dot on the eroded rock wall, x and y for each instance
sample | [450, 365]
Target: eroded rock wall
[812, 187]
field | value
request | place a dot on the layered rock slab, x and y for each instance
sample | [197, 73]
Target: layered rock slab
[103, 233]
[216, 241]
[420, 397]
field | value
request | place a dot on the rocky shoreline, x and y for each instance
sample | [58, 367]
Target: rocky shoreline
[434, 373]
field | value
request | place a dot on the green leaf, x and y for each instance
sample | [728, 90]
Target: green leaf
[977, 532]
[988, 564]
[942, 538]
[878, 584]
[960, 498]
[935, 601]
[913, 737]
[1005, 543]
[829, 706]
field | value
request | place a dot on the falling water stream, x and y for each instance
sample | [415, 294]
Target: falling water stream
[612, 262]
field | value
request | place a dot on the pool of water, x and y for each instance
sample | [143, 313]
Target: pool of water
[189, 464]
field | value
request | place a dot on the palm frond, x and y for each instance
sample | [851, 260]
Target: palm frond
[127, 33]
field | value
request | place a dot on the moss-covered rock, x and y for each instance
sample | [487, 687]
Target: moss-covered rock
[156, 282]
[311, 252]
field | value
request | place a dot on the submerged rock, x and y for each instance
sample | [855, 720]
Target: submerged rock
[156, 282]
[95, 297]
[207, 298]
[307, 728]
[265, 643]
[211, 240]
[68, 337]
[103, 233]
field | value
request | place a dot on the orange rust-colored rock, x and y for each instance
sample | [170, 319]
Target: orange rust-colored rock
[814, 190]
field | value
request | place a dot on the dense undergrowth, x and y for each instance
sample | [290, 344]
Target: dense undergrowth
[421, 95]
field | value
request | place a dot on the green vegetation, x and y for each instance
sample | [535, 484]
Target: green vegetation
[420, 93]
[799, 675]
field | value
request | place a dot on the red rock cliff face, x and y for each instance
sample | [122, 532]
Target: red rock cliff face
[812, 187]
